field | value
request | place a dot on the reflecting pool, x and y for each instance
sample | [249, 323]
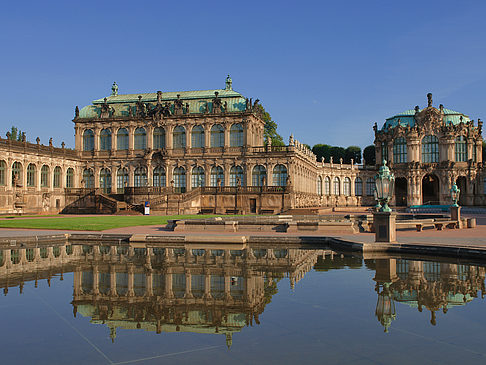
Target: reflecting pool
[249, 304]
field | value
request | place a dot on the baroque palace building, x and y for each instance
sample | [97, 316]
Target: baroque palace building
[204, 151]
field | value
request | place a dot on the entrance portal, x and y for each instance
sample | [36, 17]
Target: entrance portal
[401, 191]
[430, 190]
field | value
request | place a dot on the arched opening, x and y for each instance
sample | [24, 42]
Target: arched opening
[236, 176]
[197, 177]
[105, 140]
[217, 174]
[236, 135]
[179, 137]
[461, 184]
[430, 189]
[158, 138]
[140, 139]
[279, 175]
[121, 180]
[122, 139]
[259, 176]
[217, 136]
[105, 181]
[197, 137]
[401, 186]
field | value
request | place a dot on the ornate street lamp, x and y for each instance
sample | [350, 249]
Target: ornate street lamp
[384, 188]
[455, 192]
[385, 307]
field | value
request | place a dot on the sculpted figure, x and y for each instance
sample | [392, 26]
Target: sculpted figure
[178, 104]
[114, 89]
[105, 109]
[429, 100]
[216, 103]
[76, 112]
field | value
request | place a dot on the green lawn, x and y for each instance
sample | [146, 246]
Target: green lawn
[97, 223]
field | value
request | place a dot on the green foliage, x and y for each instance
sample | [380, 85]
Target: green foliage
[322, 151]
[15, 134]
[369, 155]
[354, 153]
[325, 151]
[270, 127]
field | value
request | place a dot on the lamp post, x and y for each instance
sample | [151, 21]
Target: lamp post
[455, 208]
[384, 219]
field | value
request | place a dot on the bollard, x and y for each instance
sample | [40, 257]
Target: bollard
[471, 223]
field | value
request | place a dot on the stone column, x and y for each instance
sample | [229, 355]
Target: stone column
[169, 140]
[188, 137]
[150, 137]
[131, 138]
[112, 280]
[188, 293]
[227, 127]
[96, 131]
[149, 173]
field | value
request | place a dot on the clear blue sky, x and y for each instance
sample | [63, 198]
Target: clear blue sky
[324, 70]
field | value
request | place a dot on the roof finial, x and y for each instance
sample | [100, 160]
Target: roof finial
[429, 100]
[229, 83]
[114, 89]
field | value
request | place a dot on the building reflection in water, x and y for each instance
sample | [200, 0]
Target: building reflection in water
[215, 289]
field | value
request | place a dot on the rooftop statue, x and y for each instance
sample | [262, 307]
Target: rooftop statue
[114, 89]
[429, 100]
[229, 83]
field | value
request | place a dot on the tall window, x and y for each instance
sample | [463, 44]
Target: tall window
[217, 136]
[259, 176]
[159, 176]
[319, 185]
[217, 173]
[347, 186]
[140, 176]
[236, 135]
[31, 175]
[105, 180]
[56, 183]
[180, 179]
[430, 149]
[121, 179]
[384, 151]
[400, 150]
[197, 137]
[236, 175]
[327, 186]
[88, 140]
[88, 178]
[474, 153]
[197, 177]
[336, 186]
[140, 141]
[122, 139]
[461, 149]
[45, 176]
[70, 178]
[358, 187]
[105, 140]
[280, 175]
[179, 137]
[3, 172]
[17, 172]
[370, 186]
[159, 138]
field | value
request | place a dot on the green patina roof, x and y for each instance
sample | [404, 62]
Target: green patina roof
[407, 118]
[196, 99]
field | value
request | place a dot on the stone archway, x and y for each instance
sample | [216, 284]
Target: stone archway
[430, 190]
[461, 184]
[401, 186]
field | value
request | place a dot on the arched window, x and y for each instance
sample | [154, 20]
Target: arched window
[197, 177]
[236, 135]
[70, 178]
[347, 186]
[279, 175]
[474, 153]
[140, 176]
[217, 136]
[217, 174]
[3, 173]
[140, 141]
[56, 182]
[197, 137]
[370, 186]
[30, 175]
[122, 139]
[336, 186]
[105, 181]
[159, 138]
[121, 179]
[400, 150]
[430, 149]
[461, 149]
[159, 176]
[319, 186]
[180, 179]
[44, 176]
[17, 174]
[105, 140]
[327, 186]
[88, 178]
[179, 137]
[88, 140]
[259, 176]
[384, 151]
[358, 187]
[236, 176]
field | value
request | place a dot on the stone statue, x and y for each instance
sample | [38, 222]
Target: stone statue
[37, 140]
[187, 108]
[429, 100]
[178, 105]
[141, 109]
[8, 134]
[417, 108]
[105, 109]
[24, 139]
[291, 140]
[50, 142]
[114, 89]
[375, 127]
[159, 97]
[441, 109]
[76, 112]
[216, 103]
[229, 83]
[63, 144]
[480, 126]
[225, 107]
[247, 102]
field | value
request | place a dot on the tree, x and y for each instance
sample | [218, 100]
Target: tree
[270, 130]
[337, 153]
[369, 155]
[352, 152]
[322, 151]
[15, 134]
